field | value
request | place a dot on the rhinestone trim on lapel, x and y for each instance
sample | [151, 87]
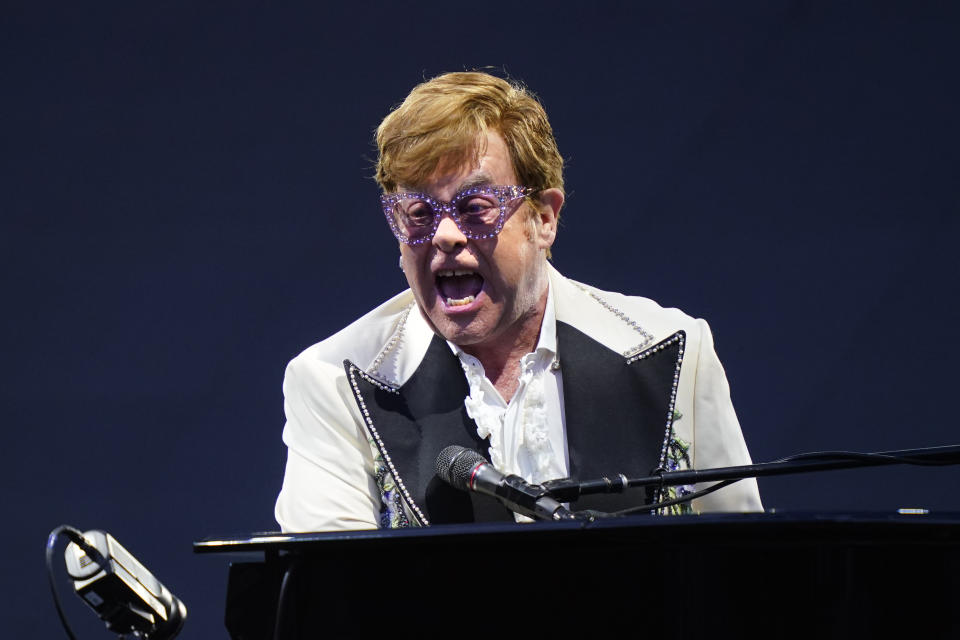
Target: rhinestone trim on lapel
[393, 343]
[637, 353]
[353, 372]
[680, 337]
[647, 337]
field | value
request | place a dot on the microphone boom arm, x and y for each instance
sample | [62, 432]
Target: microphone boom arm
[569, 489]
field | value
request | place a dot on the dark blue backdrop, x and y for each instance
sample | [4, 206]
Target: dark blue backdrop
[187, 203]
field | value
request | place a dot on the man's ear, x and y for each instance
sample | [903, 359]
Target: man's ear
[548, 211]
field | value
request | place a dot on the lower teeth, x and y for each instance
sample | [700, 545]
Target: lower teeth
[459, 302]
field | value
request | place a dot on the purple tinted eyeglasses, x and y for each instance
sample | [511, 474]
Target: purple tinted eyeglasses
[479, 212]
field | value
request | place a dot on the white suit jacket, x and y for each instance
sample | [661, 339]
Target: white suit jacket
[331, 480]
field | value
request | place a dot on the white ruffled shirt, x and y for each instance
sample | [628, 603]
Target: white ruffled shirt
[527, 435]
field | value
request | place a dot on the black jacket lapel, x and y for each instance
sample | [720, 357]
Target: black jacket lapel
[412, 423]
[619, 411]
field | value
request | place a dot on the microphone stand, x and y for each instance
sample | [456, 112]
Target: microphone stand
[569, 489]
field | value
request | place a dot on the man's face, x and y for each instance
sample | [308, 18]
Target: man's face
[505, 275]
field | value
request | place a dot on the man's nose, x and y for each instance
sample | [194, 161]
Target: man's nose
[448, 236]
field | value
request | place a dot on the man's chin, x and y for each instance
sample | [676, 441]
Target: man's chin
[460, 336]
[460, 329]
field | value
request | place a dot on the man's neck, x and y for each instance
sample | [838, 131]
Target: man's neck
[501, 357]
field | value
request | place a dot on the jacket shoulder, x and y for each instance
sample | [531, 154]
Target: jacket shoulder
[619, 321]
[652, 311]
[360, 341]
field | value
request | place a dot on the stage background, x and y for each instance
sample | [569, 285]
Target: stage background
[186, 204]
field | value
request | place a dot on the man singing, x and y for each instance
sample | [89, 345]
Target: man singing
[491, 348]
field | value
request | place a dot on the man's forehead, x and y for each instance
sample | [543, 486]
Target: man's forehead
[455, 182]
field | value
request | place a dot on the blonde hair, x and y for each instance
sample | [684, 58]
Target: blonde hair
[443, 122]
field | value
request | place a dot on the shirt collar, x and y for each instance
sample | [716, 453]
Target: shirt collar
[548, 329]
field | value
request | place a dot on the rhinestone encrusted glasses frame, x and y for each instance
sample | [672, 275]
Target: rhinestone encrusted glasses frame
[505, 194]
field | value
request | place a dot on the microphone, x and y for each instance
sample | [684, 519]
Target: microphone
[121, 590]
[467, 470]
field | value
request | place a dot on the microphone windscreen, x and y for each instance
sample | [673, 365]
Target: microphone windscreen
[455, 464]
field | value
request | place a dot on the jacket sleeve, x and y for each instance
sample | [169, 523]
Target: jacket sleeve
[718, 440]
[328, 483]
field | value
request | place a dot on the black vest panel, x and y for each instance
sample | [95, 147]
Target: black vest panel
[619, 411]
[419, 420]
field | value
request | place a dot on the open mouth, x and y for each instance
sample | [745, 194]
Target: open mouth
[458, 287]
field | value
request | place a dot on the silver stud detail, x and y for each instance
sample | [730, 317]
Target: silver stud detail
[391, 345]
[633, 324]
[354, 371]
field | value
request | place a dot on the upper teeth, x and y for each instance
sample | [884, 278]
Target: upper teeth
[454, 272]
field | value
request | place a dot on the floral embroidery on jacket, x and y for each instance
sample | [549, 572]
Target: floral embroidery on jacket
[678, 457]
[392, 513]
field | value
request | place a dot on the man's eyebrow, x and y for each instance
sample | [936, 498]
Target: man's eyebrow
[476, 180]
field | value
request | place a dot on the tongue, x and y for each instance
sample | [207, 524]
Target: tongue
[459, 287]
